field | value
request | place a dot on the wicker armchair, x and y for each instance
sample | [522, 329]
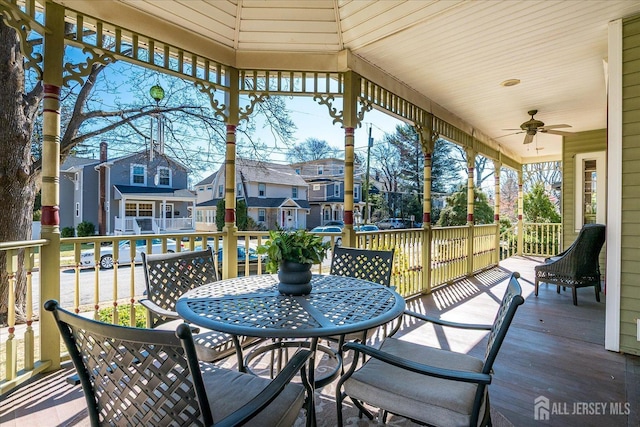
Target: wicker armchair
[133, 376]
[167, 277]
[429, 385]
[578, 266]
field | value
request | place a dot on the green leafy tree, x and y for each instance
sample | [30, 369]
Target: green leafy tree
[538, 207]
[455, 212]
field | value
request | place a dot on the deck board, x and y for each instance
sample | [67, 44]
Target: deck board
[553, 348]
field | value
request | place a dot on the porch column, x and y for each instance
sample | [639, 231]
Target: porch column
[349, 122]
[520, 213]
[497, 165]
[427, 138]
[471, 159]
[50, 220]
[230, 254]
[164, 214]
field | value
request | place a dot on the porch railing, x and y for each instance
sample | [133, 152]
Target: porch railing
[86, 287]
[538, 239]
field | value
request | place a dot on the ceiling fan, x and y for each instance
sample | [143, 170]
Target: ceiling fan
[533, 126]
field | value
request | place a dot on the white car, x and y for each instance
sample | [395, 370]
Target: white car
[328, 231]
[87, 257]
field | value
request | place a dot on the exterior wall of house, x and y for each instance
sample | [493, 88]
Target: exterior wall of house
[121, 175]
[630, 244]
[578, 143]
[67, 205]
[88, 197]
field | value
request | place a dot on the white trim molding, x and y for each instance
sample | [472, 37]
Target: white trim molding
[614, 184]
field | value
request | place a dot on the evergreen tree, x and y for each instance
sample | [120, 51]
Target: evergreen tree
[455, 212]
[538, 206]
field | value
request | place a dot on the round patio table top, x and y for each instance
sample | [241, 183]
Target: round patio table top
[252, 306]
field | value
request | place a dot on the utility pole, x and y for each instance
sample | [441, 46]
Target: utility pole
[365, 193]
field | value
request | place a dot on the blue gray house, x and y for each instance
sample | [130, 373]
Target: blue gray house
[143, 192]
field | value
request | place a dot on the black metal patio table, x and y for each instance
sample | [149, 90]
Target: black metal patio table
[252, 306]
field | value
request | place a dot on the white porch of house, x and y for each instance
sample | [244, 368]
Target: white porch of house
[157, 213]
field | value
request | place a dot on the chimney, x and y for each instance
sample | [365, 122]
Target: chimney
[102, 190]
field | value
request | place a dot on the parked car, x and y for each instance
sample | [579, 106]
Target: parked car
[242, 255]
[337, 223]
[390, 223]
[87, 257]
[366, 227]
[329, 230]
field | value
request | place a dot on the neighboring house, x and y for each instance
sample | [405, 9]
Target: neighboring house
[204, 189]
[134, 194]
[326, 189]
[275, 195]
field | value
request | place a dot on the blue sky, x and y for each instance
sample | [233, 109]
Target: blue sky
[313, 121]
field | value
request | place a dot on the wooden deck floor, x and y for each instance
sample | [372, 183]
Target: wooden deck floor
[553, 349]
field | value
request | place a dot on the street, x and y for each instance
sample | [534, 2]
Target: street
[87, 286]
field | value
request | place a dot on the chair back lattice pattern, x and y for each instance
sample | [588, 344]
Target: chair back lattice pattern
[132, 376]
[169, 276]
[511, 300]
[372, 265]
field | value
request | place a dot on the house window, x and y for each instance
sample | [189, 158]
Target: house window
[200, 189]
[209, 187]
[340, 170]
[164, 177]
[77, 210]
[320, 170]
[138, 175]
[239, 189]
[138, 209]
[590, 189]
[298, 171]
[220, 191]
[198, 216]
[262, 189]
[336, 189]
[262, 215]
[294, 192]
[316, 187]
[356, 192]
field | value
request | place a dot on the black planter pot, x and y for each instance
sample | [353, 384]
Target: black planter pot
[294, 278]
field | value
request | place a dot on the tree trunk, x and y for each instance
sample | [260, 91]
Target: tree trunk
[17, 184]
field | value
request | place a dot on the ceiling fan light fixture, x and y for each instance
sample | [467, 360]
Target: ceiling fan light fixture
[510, 82]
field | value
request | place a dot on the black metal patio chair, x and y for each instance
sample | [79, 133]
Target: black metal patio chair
[150, 377]
[367, 264]
[167, 277]
[576, 267]
[426, 384]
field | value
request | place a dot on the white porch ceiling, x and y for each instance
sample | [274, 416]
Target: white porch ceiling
[456, 53]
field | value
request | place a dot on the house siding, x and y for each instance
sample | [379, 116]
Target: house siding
[578, 143]
[630, 239]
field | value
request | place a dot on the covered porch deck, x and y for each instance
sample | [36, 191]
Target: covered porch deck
[553, 349]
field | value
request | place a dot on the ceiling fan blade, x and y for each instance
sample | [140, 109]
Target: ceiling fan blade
[555, 126]
[558, 132]
[515, 129]
[528, 139]
[509, 134]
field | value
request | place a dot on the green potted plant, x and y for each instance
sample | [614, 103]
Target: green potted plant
[291, 254]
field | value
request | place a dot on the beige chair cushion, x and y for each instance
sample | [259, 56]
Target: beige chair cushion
[427, 399]
[210, 345]
[228, 390]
